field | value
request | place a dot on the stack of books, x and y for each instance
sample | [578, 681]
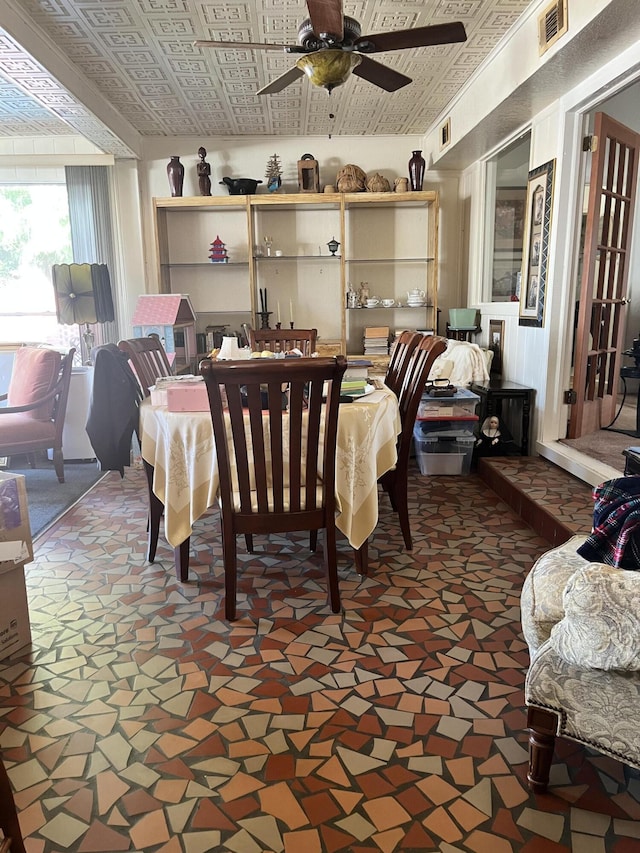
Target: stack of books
[376, 340]
[355, 376]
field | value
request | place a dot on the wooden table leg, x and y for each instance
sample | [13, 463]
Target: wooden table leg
[181, 559]
[156, 509]
[361, 555]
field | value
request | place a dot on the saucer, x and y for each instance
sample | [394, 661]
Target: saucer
[420, 304]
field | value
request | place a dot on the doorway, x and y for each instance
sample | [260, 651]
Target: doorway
[586, 462]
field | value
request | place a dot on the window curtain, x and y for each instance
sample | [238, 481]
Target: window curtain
[88, 189]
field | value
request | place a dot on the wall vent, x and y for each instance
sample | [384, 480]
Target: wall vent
[445, 133]
[552, 24]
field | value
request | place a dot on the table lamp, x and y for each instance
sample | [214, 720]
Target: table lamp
[83, 295]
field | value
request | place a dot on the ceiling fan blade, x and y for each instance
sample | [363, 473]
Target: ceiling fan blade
[282, 81]
[253, 45]
[380, 75]
[326, 17]
[417, 37]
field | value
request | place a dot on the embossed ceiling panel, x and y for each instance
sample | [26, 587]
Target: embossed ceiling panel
[139, 55]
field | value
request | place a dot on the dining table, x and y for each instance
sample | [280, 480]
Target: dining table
[178, 451]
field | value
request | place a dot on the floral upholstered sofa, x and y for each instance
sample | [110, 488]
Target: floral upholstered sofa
[581, 621]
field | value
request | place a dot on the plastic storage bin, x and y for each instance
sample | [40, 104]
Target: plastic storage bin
[451, 427]
[461, 404]
[437, 455]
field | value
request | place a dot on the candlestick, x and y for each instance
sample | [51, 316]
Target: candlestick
[279, 318]
[291, 312]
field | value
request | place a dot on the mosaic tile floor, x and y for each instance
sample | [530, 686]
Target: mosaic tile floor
[141, 721]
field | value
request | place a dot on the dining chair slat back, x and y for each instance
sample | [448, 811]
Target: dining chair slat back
[395, 482]
[399, 361]
[276, 453]
[148, 359]
[283, 340]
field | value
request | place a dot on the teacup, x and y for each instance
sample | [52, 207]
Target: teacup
[372, 302]
[388, 303]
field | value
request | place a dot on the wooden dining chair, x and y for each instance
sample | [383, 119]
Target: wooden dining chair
[394, 482]
[276, 464]
[399, 361]
[12, 842]
[148, 359]
[33, 419]
[283, 340]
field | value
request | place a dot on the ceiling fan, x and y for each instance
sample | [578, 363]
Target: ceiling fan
[332, 47]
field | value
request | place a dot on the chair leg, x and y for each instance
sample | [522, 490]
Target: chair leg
[387, 484]
[229, 556]
[542, 735]
[8, 814]
[331, 564]
[313, 540]
[402, 508]
[58, 464]
[248, 540]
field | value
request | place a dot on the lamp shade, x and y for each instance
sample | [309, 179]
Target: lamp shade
[83, 293]
[328, 68]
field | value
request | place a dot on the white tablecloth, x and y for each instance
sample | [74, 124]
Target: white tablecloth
[180, 447]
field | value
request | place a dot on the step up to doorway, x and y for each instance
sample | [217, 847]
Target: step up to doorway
[551, 501]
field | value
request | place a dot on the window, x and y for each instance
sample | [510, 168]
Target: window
[34, 235]
[507, 177]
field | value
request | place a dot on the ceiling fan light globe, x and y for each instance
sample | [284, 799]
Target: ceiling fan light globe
[328, 68]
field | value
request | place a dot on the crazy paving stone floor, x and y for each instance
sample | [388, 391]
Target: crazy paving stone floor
[141, 721]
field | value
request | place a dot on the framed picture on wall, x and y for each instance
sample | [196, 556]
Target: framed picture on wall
[536, 245]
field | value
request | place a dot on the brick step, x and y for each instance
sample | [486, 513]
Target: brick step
[550, 500]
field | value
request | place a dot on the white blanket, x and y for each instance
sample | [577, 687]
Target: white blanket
[461, 363]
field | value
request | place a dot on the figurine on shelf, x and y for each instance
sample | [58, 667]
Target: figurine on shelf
[218, 252]
[273, 174]
[204, 173]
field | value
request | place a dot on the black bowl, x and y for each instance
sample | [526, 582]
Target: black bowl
[241, 186]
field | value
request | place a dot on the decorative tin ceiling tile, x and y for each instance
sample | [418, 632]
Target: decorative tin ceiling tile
[145, 49]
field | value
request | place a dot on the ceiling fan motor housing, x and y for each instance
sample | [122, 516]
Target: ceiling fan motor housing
[311, 41]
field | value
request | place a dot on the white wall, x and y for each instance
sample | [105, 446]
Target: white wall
[244, 157]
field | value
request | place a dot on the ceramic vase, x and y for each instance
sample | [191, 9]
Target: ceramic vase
[175, 173]
[416, 170]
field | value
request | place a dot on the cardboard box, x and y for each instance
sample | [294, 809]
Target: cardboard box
[188, 397]
[15, 631]
[16, 546]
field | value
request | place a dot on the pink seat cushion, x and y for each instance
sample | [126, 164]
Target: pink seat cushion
[19, 428]
[34, 374]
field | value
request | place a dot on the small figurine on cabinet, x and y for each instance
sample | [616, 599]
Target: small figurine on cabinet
[204, 173]
[494, 439]
[218, 252]
[273, 174]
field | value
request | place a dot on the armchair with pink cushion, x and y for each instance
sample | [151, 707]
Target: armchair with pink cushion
[33, 418]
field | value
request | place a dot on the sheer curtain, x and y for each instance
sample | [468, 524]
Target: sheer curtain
[88, 189]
